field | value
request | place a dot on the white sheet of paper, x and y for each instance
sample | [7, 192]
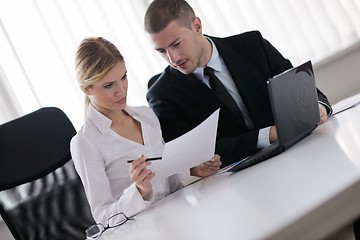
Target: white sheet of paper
[189, 150]
[346, 104]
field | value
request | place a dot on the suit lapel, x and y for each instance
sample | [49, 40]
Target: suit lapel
[188, 84]
[241, 74]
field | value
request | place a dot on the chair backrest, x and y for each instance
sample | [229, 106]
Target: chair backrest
[41, 195]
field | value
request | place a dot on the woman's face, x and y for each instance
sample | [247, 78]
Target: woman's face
[109, 94]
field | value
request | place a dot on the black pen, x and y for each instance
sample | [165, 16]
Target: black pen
[148, 159]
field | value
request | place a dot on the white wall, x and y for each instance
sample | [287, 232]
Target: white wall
[339, 75]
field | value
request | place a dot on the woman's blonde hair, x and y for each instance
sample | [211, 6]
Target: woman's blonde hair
[94, 58]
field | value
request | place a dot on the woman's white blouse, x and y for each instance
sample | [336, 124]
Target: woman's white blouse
[100, 156]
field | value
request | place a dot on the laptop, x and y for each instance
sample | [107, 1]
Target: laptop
[294, 103]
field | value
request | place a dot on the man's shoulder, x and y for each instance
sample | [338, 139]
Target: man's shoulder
[170, 86]
[172, 73]
[245, 37]
[165, 78]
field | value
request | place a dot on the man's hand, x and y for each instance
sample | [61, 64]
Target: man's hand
[272, 134]
[207, 168]
[323, 114]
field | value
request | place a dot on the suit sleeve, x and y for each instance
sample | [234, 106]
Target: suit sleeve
[173, 120]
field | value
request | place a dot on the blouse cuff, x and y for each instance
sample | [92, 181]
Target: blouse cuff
[135, 199]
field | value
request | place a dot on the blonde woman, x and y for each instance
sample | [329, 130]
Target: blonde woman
[113, 133]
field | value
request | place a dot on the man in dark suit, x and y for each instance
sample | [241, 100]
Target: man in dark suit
[182, 97]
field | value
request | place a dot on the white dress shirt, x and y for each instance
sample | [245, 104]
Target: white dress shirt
[100, 157]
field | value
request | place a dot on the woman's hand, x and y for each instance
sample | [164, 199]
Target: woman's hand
[142, 176]
[207, 168]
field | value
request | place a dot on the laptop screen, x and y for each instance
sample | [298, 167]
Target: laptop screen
[294, 104]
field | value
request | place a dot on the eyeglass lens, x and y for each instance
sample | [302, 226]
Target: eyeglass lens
[116, 220]
[95, 231]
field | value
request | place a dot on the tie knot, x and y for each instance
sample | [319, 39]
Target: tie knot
[208, 71]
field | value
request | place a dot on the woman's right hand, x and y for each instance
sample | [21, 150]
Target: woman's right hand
[142, 176]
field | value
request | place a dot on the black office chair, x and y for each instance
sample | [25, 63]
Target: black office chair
[41, 195]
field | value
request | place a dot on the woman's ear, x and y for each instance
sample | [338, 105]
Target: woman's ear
[87, 91]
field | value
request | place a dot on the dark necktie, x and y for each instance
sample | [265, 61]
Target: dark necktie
[224, 95]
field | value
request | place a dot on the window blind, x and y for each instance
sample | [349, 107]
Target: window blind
[38, 40]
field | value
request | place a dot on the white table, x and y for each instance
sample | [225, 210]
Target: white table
[307, 192]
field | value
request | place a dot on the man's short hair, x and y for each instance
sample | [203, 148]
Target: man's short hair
[161, 12]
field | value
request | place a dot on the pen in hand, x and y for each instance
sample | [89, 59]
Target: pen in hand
[148, 159]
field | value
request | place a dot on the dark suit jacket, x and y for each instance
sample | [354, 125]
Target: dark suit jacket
[181, 101]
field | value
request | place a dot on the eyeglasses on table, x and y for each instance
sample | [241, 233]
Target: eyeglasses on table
[95, 231]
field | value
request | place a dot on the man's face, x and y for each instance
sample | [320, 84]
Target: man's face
[181, 47]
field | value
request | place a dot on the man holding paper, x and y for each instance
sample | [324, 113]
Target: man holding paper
[207, 72]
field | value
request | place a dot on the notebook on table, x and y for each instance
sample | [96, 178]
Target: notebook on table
[295, 108]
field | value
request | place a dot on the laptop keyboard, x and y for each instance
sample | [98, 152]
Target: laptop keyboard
[261, 155]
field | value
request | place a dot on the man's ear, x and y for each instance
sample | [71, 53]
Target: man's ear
[197, 25]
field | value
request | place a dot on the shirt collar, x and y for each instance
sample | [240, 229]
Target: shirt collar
[102, 122]
[214, 62]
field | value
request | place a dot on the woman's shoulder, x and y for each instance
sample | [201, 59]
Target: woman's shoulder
[79, 137]
[85, 133]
